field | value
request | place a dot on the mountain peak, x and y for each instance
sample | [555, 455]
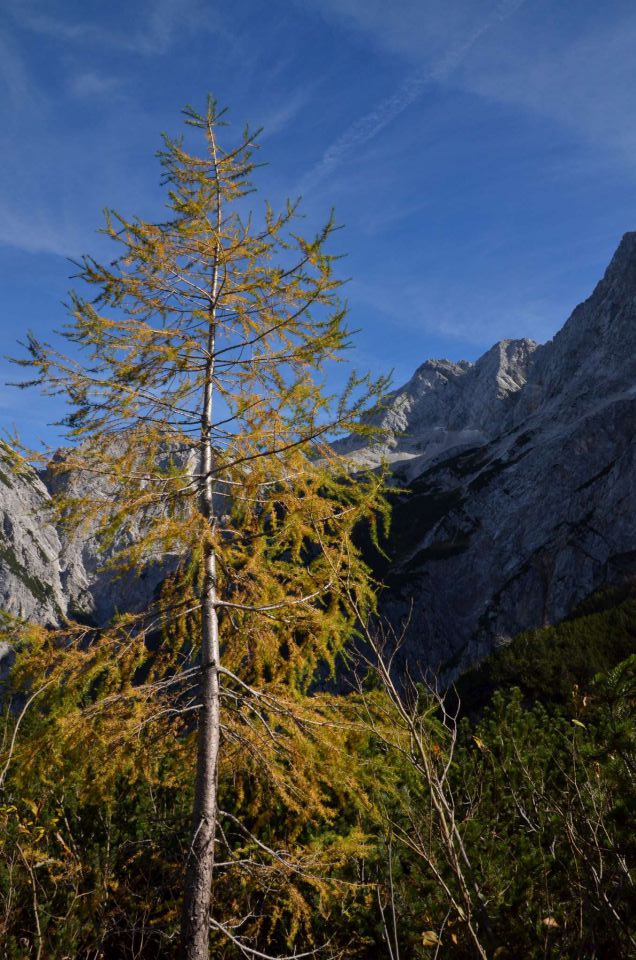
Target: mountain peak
[506, 365]
[623, 263]
[595, 351]
[447, 405]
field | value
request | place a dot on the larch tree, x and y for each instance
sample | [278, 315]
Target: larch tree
[196, 395]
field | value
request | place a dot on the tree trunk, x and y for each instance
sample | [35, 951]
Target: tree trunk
[195, 922]
[195, 931]
[200, 862]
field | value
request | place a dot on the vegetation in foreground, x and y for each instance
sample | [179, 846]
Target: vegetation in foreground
[337, 842]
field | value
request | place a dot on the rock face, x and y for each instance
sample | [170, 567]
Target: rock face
[45, 572]
[30, 580]
[521, 471]
[446, 406]
[522, 486]
[30, 566]
[92, 589]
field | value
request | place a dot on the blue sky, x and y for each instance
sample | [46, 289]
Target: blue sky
[481, 154]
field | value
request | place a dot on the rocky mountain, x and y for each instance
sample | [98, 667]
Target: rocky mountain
[48, 572]
[30, 549]
[521, 471]
[521, 496]
[445, 406]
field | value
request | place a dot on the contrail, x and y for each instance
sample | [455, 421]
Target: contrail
[368, 126]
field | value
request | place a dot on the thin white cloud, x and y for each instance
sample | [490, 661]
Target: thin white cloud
[468, 316]
[14, 78]
[35, 232]
[371, 124]
[49, 26]
[281, 115]
[578, 72]
[585, 81]
[414, 29]
[92, 84]
[165, 21]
